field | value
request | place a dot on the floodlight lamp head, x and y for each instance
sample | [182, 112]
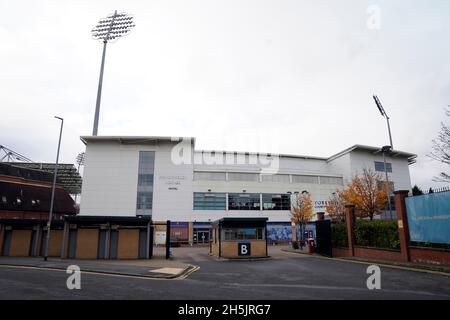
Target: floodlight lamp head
[379, 106]
[113, 27]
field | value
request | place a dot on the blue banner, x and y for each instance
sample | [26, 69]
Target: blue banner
[279, 231]
[429, 217]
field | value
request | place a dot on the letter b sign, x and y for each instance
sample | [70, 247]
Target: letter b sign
[244, 249]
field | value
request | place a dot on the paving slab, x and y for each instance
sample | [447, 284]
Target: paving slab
[151, 268]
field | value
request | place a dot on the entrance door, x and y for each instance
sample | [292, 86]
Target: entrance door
[201, 237]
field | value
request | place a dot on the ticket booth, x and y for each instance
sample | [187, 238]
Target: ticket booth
[239, 238]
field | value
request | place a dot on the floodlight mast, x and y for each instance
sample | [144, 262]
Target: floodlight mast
[384, 114]
[112, 27]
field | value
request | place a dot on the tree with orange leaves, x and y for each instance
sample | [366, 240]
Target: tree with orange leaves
[336, 206]
[364, 193]
[302, 210]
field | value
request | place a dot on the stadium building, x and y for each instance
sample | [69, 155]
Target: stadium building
[168, 179]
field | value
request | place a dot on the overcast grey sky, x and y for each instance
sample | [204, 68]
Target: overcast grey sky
[291, 77]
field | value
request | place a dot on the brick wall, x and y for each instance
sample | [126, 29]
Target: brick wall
[229, 249]
[432, 256]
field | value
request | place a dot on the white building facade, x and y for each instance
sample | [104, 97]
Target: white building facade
[168, 179]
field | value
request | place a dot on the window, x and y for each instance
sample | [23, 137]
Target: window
[379, 166]
[209, 176]
[305, 179]
[276, 201]
[144, 200]
[282, 178]
[209, 201]
[146, 161]
[243, 233]
[243, 201]
[145, 179]
[146, 167]
[331, 180]
[235, 176]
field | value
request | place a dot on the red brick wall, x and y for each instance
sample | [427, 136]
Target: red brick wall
[378, 254]
[369, 253]
[431, 256]
[341, 252]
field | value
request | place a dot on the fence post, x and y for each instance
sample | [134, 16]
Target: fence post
[402, 221]
[350, 219]
[168, 239]
[2, 236]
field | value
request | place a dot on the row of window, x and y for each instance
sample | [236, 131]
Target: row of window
[243, 234]
[256, 177]
[241, 201]
[18, 201]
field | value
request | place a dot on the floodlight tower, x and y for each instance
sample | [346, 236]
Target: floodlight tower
[384, 114]
[110, 28]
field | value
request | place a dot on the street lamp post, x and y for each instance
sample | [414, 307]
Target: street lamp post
[384, 114]
[50, 214]
[110, 28]
[387, 150]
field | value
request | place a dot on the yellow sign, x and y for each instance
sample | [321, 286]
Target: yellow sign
[400, 223]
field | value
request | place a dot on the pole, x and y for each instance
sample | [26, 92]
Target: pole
[387, 185]
[168, 239]
[50, 214]
[389, 130]
[99, 91]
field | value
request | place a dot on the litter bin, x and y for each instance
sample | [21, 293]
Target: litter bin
[310, 245]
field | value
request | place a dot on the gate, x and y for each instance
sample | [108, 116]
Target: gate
[323, 237]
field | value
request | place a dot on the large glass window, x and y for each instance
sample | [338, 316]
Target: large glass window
[144, 200]
[243, 201]
[276, 201]
[243, 233]
[145, 179]
[209, 201]
[146, 167]
[379, 166]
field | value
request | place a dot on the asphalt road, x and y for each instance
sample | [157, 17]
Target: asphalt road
[287, 276]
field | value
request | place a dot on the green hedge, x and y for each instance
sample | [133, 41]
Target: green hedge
[379, 234]
[339, 235]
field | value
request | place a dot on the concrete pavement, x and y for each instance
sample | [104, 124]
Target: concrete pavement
[286, 276]
[158, 268]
